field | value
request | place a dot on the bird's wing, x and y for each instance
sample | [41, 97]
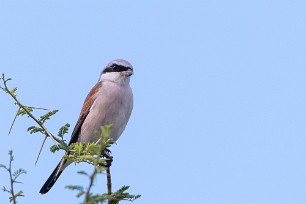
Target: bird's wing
[89, 101]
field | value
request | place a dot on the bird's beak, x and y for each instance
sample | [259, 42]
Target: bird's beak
[128, 72]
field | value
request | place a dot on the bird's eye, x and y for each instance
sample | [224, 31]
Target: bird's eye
[115, 68]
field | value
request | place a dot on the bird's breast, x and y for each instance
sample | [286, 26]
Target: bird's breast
[113, 106]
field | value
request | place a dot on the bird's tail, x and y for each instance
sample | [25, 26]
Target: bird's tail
[54, 176]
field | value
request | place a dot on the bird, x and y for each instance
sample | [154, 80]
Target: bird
[109, 102]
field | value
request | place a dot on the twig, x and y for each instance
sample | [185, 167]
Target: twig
[109, 184]
[47, 133]
[11, 178]
[92, 177]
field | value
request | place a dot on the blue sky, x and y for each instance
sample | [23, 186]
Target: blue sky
[219, 89]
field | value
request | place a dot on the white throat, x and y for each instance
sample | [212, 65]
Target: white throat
[115, 77]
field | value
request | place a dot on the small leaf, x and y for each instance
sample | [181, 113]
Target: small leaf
[22, 112]
[18, 173]
[14, 90]
[4, 189]
[74, 187]
[54, 148]
[20, 193]
[34, 129]
[47, 116]
[11, 155]
[83, 173]
[80, 194]
[63, 130]
[3, 166]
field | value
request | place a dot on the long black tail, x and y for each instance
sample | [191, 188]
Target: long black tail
[53, 177]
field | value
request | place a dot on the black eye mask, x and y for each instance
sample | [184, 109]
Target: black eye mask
[116, 68]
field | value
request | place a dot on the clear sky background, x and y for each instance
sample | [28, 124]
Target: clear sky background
[219, 88]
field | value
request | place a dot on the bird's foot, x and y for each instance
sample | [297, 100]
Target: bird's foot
[108, 158]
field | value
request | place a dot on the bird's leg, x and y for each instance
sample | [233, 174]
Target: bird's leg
[108, 157]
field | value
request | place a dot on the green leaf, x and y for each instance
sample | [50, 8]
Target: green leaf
[63, 130]
[83, 173]
[3, 166]
[5, 190]
[92, 148]
[55, 148]
[34, 129]
[23, 112]
[18, 173]
[75, 187]
[80, 194]
[20, 193]
[47, 116]
[122, 195]
[11, 155]
[14, 90]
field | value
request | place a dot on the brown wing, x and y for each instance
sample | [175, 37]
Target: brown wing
[84, 112]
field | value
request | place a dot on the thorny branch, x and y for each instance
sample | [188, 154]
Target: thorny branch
[11, 93]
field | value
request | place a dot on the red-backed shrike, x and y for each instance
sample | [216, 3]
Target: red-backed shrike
[109, 102]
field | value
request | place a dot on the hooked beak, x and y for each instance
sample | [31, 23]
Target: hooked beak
[128, 72]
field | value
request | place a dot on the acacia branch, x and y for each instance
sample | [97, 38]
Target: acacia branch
[46, 132]
[109, 184]
[11, 178]
[92, 178]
